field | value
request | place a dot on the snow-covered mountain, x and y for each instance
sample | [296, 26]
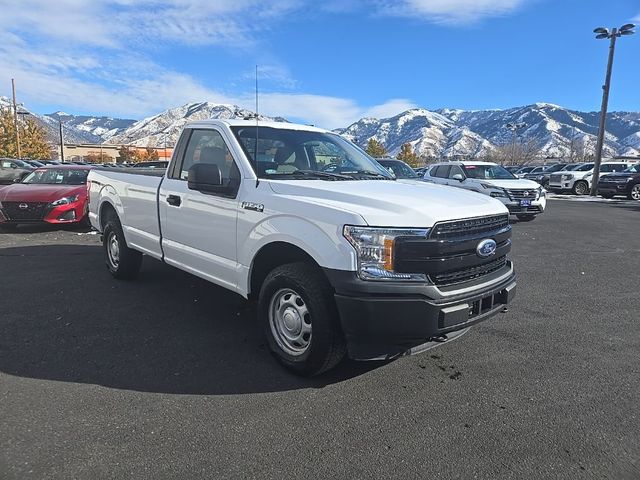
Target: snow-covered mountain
[451, 132]
[76, 128]
[166, 126]
[94, 129]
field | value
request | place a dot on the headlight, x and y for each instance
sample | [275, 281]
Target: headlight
[375, 250]
[499, 194]
[567, 176]
[65, 200]
[628, 180]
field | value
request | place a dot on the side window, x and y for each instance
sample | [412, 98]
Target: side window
[443, 171]
[6, 164]
[433, 171]
[208, 146]
[456, 170]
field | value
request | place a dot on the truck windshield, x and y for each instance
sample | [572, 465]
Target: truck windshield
[306, 155]
[488, 172]
[59, 176]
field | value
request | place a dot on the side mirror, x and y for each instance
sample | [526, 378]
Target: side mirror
[458, 176]
[14, 166]
[205, 177]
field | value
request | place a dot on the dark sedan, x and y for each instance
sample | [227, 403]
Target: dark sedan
[13, 170]
[625, 183]
[398, 168]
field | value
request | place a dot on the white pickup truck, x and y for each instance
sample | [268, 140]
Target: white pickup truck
[339, 256]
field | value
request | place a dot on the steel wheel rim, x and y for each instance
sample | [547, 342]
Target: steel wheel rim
[635, 192]
[290, 322]
[113, 250]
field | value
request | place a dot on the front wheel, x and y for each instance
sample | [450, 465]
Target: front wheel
[581, 188]
[122, 262]
[300, 320]
[634, 194]
[525, 218]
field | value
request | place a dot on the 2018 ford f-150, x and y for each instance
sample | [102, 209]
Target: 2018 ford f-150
[338, 255]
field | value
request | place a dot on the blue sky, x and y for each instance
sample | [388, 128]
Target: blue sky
[328, 63]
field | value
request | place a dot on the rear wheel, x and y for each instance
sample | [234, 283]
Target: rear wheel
[581, 188]
[525, 217]
[634, 194]
[300, 320]
[122, 262]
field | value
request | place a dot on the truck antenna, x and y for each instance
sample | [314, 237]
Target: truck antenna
[255, 152]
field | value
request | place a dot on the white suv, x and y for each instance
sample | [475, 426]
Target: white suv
[578, 180]
[523, 198]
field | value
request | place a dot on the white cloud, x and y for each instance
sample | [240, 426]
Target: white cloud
[450, 12]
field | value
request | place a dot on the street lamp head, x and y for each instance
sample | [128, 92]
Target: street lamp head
[627, 27]
[602, 35]
[601, 30]
[627, 32]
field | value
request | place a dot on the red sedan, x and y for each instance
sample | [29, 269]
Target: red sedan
[54, 194]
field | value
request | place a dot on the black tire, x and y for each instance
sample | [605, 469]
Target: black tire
[608, 196]
[580, 187]
[545, 184]
[122, 262]
[634, 192]
[525, 217]
[311, 292]
[8, 227]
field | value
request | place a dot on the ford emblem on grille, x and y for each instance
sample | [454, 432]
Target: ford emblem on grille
[486, 248]
[23, 206]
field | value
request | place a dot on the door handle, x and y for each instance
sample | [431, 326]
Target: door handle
[174, 200]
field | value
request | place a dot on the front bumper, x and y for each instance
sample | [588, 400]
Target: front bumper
[387, 321]
[63, 214]
[536, 207]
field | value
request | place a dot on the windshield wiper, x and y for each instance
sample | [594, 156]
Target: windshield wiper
[370, 173]
[312, 174]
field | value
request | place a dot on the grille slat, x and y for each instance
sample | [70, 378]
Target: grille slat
[522, 193]
[467, 274]
[33, 212]
[469, 227]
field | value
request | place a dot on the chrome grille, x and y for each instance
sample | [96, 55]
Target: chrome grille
[555, 178]
[523, 193]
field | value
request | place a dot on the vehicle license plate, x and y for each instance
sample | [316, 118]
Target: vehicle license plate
[525, 203]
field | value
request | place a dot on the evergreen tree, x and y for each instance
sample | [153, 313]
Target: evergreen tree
[407, 155]
[376, 149]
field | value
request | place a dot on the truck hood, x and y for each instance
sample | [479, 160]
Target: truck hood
[392, 203]
[519, 183]
[22, 192]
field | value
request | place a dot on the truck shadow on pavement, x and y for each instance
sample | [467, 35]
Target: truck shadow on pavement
[66, 319]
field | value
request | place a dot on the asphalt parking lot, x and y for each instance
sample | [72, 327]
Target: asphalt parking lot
[168, 376]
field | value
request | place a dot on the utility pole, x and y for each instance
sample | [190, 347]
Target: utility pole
[613, 35]
[15, 117]
[61, 141]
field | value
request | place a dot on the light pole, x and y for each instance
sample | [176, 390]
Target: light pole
[514, 127]
[612, 35]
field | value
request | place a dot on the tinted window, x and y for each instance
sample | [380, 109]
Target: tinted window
[442, 171]
[612, 167]
[60, 176]
[455, 170]
[584, 168]
[488, 172]
[208, 146]
[399, 168]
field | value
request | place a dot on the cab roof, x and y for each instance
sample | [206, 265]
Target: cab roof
[252, 123]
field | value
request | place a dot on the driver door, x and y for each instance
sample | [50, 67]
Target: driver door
[199, 229]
